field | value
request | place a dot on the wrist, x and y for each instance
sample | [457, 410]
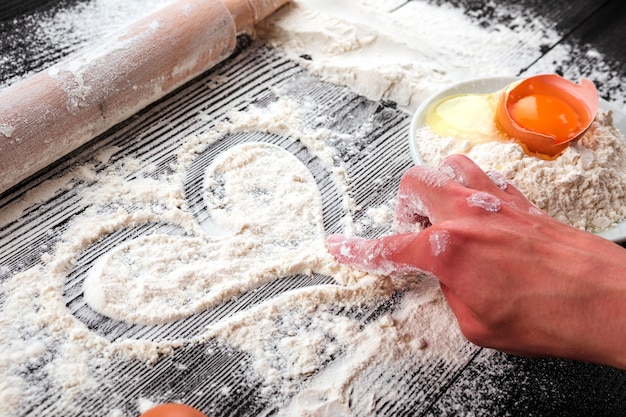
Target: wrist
[601, 323]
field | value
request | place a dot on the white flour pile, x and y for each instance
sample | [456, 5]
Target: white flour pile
[275, 225]
[310, 355]
[584, 187]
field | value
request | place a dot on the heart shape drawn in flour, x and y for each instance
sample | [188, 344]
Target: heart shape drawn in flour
[268, 207]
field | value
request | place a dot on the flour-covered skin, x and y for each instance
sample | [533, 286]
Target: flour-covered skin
[376, 257]
[516, 279]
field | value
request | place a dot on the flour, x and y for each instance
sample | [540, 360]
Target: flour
[296, 336]
[387, 55]
[6, 130]
[158, 278]
[439, 241]
[584, 187]
[275, 225]
[484, 201]
[64, 30]
[328, 349]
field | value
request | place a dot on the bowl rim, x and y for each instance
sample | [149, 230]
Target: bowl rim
[486, 85]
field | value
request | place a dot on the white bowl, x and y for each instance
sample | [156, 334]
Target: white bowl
[490, 85]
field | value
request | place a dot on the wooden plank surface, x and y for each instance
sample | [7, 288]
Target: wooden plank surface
[488, 383]
[585, 25]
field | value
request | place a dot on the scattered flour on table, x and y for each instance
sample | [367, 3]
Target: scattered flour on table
[60, 31]
[307, 350]
[584, 187]
[268, 207]
[404, 51]
[304, 336]
[383, 51]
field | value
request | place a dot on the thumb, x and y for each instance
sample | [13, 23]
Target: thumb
[389, 255]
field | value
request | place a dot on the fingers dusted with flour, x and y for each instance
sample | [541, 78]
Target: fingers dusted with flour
[435, 212]
[388, 255]
[428, 196]
[428, 201]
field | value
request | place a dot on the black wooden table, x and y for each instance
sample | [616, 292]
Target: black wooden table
[529, 387]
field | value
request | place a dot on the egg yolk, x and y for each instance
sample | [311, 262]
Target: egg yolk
[547, 115]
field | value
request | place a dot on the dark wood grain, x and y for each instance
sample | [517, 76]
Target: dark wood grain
[588, 27]
[489, 383]
[9, 9]
[600, 24]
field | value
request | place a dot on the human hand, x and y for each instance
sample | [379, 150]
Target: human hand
[516, 279]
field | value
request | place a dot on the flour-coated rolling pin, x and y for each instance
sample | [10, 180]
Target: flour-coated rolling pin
[53, 112]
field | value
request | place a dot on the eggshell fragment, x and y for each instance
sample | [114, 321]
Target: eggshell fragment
[581, 98]
[173, 410]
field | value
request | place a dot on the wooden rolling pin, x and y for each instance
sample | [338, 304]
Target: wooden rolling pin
[48, 115]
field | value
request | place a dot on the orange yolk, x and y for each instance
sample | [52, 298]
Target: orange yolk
[546, 114]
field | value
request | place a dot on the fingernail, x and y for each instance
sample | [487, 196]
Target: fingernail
[339, 247]
[335, 240]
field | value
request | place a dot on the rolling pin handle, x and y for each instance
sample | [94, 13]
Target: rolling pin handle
[247, 13]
